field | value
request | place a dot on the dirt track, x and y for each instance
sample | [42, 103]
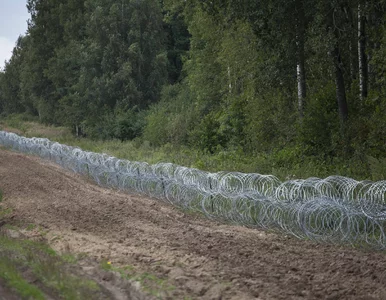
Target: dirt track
[200, 258]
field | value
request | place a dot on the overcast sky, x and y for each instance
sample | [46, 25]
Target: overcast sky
[13, 22]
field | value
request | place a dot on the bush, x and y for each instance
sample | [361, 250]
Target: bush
[207, 135]
[267, 122]
[129, 124]
[170, 120]
[319, 129]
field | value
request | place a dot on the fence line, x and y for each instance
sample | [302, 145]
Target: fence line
[335, 209]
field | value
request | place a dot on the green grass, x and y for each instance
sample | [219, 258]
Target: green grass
[45, 266]
[282, 164]
[150, 283]
[14, 280]
[25, 261]
[30, 227]
[5, 212]
[285, 164]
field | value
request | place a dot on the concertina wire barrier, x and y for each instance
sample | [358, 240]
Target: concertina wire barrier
[335, 209]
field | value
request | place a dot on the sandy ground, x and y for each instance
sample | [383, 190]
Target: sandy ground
[197, 258]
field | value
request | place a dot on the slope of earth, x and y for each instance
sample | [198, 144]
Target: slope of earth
[180, 255]
[6, 294]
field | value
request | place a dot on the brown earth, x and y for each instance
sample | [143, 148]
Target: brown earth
[5, 293]
[195, 258]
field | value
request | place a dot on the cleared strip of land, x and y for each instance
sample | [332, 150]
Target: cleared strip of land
[178, 254]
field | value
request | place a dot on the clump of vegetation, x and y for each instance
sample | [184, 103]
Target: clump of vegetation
[268, 87]
[23, 262]
[286, 164]
[34, 271]
[14, 280]
[150, 283]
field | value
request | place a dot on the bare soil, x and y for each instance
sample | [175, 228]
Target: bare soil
[6, 294]
[197, 258]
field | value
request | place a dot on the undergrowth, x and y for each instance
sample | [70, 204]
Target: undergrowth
[288, 163]
[24, 261]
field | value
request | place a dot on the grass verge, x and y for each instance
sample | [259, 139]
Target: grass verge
[285, 164]
[32, 270]
[15, 281]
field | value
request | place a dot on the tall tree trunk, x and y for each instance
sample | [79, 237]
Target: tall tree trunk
[338, 71]
[363, 66]
[353, 58]
[300, 67]
[340, 86]
[229, 80]
[353, 44]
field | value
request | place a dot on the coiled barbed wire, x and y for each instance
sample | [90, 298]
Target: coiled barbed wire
[335, 209]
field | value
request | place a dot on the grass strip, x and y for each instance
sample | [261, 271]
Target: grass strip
[13, 278]
[44, 267]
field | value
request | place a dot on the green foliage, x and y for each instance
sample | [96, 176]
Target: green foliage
[10, 80]
[150, 283]
[5, 212]
[219, 77]
[15, 281]
[319, 124]
[104, 62]
[45, 266]
[178, 42]
[271, 122]
[129, 124]
[377, 168]
[19, 121]
[207, 135]
[170, 120]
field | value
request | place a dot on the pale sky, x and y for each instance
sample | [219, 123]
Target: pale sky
[13, 22]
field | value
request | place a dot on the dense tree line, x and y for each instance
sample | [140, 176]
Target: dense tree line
[295, 78]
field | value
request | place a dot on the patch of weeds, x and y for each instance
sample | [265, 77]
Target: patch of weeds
[153, 284]
[82, 255]
[55, 238]
[53, 273]
[30, 227]
[150, 283]
[14, 280]
[126, 272]
[16, 121]
[5, 212]
[11, 227]
[69, 258]
[106, 265]
[54, 276]
[284, 163]
[41, 230]
[128, 268]
[24, 247]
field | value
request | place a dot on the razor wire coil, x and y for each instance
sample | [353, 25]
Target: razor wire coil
[335, 209]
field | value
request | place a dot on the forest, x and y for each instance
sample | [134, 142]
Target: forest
[295, 83]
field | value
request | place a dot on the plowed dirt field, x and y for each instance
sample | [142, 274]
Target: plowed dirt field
[193, 257]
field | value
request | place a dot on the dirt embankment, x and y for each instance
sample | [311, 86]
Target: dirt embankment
[191, 256]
